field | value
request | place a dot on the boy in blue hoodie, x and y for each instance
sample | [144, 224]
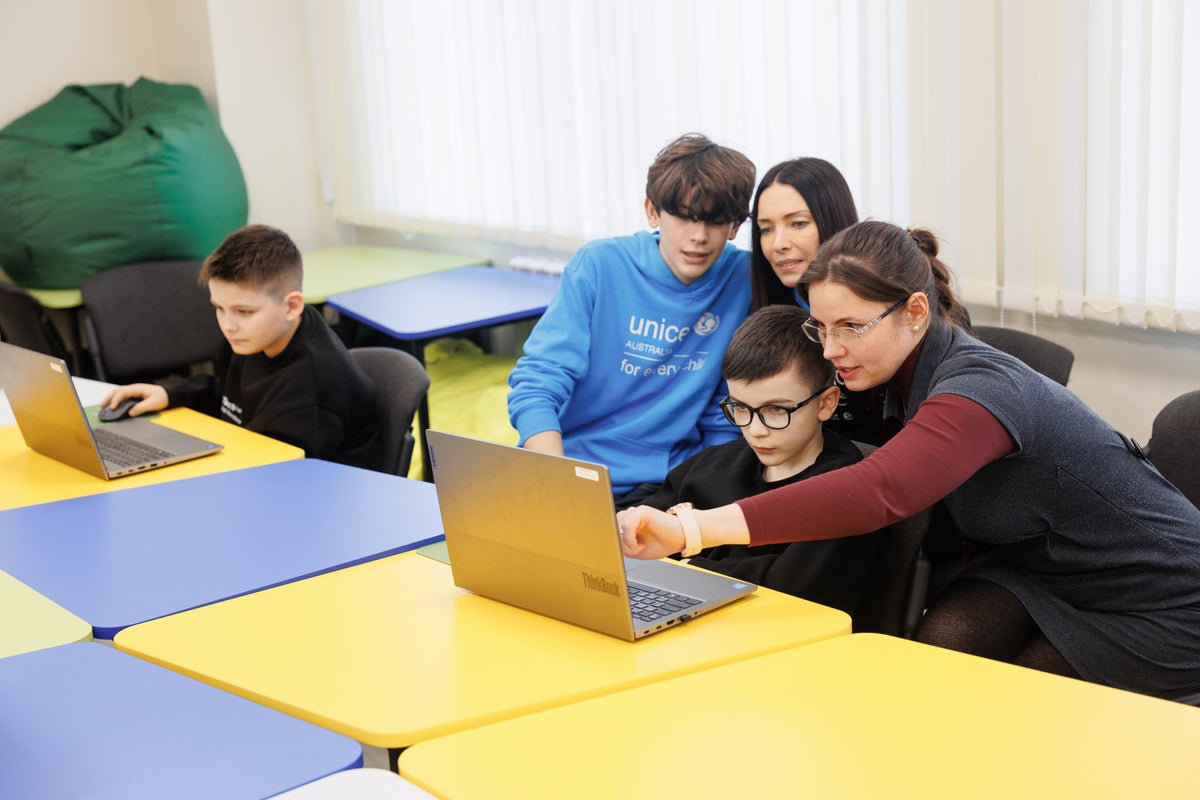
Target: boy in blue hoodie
[624, 368]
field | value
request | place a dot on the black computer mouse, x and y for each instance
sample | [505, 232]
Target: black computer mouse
[106, 414]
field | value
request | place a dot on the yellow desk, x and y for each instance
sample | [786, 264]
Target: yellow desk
[30, 621]
[392, 653]
[861, 716]
[31, 478]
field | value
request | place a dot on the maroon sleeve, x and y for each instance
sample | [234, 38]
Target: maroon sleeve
[944, 444]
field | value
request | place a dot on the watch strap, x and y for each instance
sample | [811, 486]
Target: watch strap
[693, 543]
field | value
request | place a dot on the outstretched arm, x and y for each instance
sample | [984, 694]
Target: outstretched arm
[947, 441]
[649, 533]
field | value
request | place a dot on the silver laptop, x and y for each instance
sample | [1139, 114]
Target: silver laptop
[53, 422]
[539, 532]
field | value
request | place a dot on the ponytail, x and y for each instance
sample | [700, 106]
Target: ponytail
[952, 309]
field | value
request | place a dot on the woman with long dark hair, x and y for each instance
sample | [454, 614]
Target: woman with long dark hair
[799, 204]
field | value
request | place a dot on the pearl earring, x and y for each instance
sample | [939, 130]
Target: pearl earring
[916, 328]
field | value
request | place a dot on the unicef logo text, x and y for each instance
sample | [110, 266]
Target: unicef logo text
[662, 331]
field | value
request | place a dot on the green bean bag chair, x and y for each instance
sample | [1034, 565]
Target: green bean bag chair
[106, 174]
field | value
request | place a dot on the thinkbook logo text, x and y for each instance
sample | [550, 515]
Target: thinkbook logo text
[598, 584]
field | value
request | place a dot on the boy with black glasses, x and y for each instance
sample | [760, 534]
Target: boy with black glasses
[780, 392]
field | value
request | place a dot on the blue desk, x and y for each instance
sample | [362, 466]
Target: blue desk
[420, 309]
[449, 302]
[83, 720]
[120, 558]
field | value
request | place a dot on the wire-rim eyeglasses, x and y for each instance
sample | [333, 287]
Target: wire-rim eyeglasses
[820, 334]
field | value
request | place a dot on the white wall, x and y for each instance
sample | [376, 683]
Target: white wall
[260, 52]
[47, 45]
[251, 61]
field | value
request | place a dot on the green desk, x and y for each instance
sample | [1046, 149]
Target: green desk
[57, 298]
[31, 621]
[345, 268]
[328, 271]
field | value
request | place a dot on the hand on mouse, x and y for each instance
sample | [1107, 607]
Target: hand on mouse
[147, 396]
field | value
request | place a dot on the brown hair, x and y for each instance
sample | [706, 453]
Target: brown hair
[258, 256]
[772, 340]
[696, 179]
[829, 201]
[882, 262]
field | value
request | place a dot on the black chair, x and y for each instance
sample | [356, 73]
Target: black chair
[1174, 447]
[25, 323]
[148, 320]
[401, 382]
[1174, 450]
[895, 597]
[1047, 357]
[896, 585]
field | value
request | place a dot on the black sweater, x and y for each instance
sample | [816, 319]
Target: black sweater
[831, 572]
[312, 395]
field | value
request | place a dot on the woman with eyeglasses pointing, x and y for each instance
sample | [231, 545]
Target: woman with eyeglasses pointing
[1088, 560]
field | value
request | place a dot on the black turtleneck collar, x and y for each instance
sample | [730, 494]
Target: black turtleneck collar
[900, 384]
[916, 373]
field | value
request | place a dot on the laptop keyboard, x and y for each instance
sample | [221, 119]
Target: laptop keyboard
[650, 604]
[125, 452]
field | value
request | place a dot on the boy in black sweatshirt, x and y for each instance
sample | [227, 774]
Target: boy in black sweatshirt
[280, 371]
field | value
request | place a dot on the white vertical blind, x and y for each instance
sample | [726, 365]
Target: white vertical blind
[1093, 145]
[534, 121]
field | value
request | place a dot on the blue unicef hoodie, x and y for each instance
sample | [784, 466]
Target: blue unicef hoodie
[626, 361]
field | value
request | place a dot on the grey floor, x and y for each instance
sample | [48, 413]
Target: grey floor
[375, 757]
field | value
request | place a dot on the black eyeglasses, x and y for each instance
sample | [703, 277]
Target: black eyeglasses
[820, 334]
[774, 417]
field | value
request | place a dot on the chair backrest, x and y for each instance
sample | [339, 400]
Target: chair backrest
[1047, 357]
[1175, 444]
[148, 320]
[401, 382]
[895, 595]
[25, 323]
